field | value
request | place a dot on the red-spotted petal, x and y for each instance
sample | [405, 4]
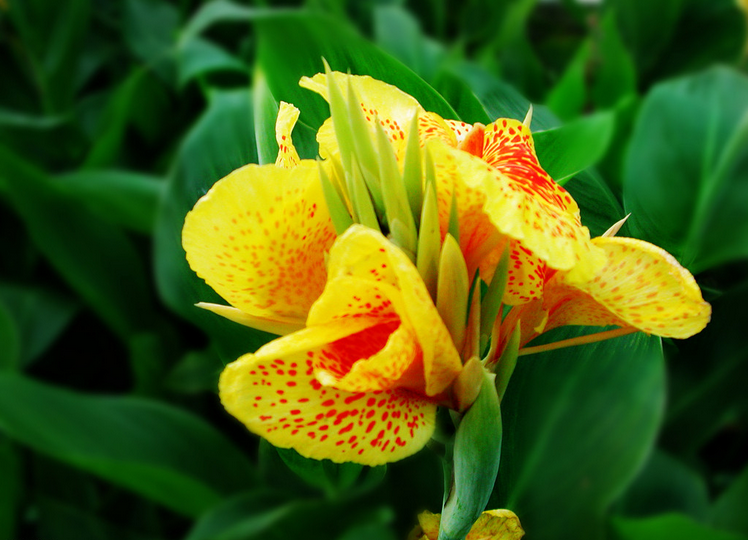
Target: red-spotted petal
[288, 157]
[259, 238]
[640, 286]
[278, 397]
[527, 205]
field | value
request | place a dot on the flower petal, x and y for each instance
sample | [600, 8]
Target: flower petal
[288, 157]
[364, 254]
[527, 205]
[259, 238]
[278, 325]
[641, 286]
[276, 395]
[491, 525]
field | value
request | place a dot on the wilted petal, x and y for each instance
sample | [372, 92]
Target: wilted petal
[491, 525]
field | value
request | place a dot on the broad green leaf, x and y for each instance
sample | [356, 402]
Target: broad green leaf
[125, 198]
[708, 377]
[196, 371]
[222, 140]
[39, 314]
[567, 150]
[292, 44]
[94, 257]
[461, 97]
[244, 516]
[150, 30]
[10, 340]
[686, 180]
[398, 32]
[199, 56]
[668, 527]
[53, 35]
[665, 484]
[11, 489]
[160, 452]
[501, 100]
[578, 423]
[214, 12]
[615, 77]
[569, 96]
[728, 512]
[477, 452]
[597, 204]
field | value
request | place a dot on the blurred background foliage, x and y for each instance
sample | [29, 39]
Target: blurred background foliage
[116, 116]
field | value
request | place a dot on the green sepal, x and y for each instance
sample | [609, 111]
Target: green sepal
[452, 290]
[477, 452]
[491, 302]
[508, 361]
[365, 152]
[361, 199]
[339, 114]
[395, 196]
[454, 222]
[429, 241]
[412, 171]
[339, 215]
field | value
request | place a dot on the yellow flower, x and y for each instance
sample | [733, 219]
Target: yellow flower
[491, 525]
[362, 381]
[259, 238]
[504, 199]
[640, 288]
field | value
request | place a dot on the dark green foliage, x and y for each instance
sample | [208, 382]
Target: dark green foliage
[116, 117]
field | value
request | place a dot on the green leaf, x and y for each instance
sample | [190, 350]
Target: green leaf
[668, 527]
[597, 204]
[569, 96]
[567, 150]
[686, 180]
[477, 452]
[292, 44]
[199, 56]
[150, 28]
[94, 257]
[244, 516]
[706, 396]
[125, 198]
[40, 316]
[160, 452]
[11, 489]
[728, 512]
[501, 100]
[214, 12]
[222, 140]
[333, 479]
[578, 423]
[10, 341]
[664, 485]
[53, 36]
[398, 32]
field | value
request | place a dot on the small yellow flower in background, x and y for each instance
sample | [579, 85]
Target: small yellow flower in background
[491, 525]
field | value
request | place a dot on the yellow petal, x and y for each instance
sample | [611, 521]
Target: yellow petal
[460, 129]
[276, 395]
[365, 255]
[278, 326]
[491, 525]
[391, 106]
[640, 286]
[259, 238]
[527, 205]
[284, 124]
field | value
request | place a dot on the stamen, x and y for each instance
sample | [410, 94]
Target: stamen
[581, 340]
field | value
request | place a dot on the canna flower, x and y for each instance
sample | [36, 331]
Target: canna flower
[491, 525]
[503, 198]
[641, 287]
[362, 381]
